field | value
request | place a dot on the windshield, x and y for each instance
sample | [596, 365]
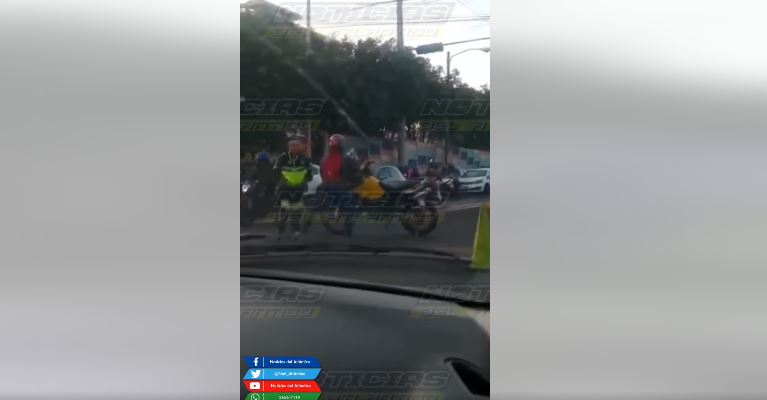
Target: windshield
[475, 173]
[380, 237]
[351, 92]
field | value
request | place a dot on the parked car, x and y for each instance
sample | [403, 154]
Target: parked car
[475, 181]
[389, 173]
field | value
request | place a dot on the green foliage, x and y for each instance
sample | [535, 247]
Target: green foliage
[369, 81]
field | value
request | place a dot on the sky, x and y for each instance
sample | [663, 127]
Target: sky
[458, 20]
[699, 42]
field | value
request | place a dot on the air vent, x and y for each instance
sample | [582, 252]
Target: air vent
[477, 383]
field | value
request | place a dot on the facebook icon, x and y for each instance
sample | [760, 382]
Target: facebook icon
[254, 361]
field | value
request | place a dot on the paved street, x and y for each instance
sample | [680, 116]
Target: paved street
[455, 232]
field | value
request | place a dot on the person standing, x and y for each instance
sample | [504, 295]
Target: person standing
[294, 170]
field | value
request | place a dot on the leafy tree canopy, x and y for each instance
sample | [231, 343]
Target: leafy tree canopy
[368, 85]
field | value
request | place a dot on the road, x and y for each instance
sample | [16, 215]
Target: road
[455, 232]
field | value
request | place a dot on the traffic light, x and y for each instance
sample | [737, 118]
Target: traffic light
[429, 48]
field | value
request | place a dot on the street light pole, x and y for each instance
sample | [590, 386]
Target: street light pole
[400, 27]
[439, 46]
[308, 53]
[402, 122]
[450, 88]
[447, 128]
[448, 67]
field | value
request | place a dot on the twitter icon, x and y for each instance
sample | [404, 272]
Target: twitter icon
[252, 374]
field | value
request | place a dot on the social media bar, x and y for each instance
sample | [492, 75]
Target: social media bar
[283, 396]
[281, 362]
[281, 378]
[282, 374]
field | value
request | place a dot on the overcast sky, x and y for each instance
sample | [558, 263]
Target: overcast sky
[685, 41]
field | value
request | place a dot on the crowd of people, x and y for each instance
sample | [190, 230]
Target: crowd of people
[286, 179]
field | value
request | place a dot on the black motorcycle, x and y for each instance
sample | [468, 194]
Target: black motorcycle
[412, 204]
[255, 201]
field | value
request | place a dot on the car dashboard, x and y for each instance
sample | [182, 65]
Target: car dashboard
[369, 344]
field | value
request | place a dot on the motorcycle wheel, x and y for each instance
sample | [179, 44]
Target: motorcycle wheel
[307, 222]
[246, 220]
[246, 215]
[338, 224]
[420, 221]
[284, 216]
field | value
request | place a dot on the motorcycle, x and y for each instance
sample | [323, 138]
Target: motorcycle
[447, 187]
[255, 201]
[412, 204]
[246, 203]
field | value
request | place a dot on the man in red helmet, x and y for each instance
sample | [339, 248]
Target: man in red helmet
[337, 169]
[340, 174]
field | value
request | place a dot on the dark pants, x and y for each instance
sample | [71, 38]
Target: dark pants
[294, 195]
[261, 198]
[335, 195]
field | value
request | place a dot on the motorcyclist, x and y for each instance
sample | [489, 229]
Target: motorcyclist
[340, 175]
[370, 189]
[433, 176]
[264, 172]
[265, 175]
[294, 171]
[454, 173]
[339, 169]
[434, 169]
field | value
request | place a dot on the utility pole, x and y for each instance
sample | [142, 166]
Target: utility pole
[448, 68]
[400, 27]
[309, 53]
[447, 128]
[308, 27]
[439, 46]
[400, 47]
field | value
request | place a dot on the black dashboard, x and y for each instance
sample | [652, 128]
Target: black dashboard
[370, 344]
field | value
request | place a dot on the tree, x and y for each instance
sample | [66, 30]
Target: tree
[368, 85]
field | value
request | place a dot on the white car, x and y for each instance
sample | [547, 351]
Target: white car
[316, 180]
[475, 181]
[389, 173]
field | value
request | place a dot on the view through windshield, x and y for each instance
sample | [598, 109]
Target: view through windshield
[358, 121]
[324, 113]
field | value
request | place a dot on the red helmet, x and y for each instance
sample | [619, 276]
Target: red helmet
[336, 141]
